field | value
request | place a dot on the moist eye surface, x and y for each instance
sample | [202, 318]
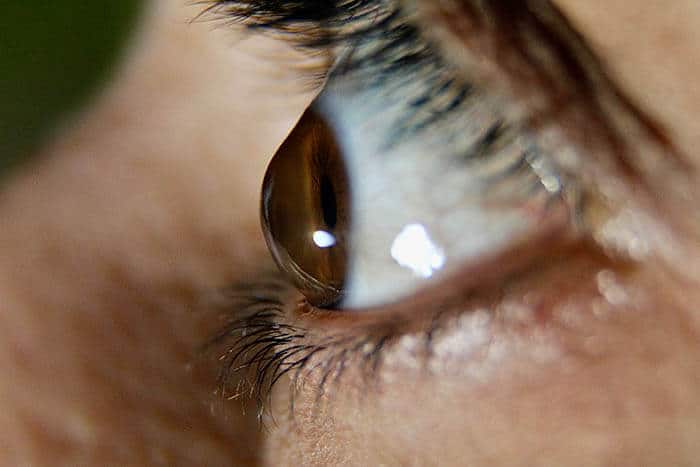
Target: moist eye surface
[305, 211]
[393, 180]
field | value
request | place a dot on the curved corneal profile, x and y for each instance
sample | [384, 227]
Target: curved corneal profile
[305, 211]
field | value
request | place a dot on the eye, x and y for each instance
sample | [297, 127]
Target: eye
[386, 187]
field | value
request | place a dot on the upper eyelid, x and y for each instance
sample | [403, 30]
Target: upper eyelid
[371, 40]
[537, 51]
[569, 74]
[591, 118]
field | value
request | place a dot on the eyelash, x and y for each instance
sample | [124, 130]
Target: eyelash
[395, 44]
[371, 40]
[260, 349]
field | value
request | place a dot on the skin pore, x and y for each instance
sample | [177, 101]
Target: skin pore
[116, 238]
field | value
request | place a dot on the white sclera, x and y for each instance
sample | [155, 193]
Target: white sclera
[417, 212]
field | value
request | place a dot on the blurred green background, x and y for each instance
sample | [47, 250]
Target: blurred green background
[54, 55]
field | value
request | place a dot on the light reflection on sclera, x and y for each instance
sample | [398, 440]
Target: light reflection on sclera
[414, 249]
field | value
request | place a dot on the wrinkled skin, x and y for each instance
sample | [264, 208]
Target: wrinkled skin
[117, 234]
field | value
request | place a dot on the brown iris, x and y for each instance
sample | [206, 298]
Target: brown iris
[305, 211]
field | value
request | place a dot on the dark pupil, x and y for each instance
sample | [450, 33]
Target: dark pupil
[328, 203]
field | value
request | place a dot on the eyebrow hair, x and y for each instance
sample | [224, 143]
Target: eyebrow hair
[569, 75]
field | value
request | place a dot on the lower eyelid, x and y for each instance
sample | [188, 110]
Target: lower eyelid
[275, 334]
